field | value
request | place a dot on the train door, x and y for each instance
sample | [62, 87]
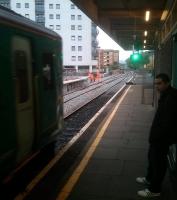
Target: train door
[172, 155]
[174, 62]
[21, 52]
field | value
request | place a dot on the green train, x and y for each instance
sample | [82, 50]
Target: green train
[30, 89]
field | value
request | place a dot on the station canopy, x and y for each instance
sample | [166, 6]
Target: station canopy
[124, 20]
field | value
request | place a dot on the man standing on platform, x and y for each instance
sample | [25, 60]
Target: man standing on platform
[163, 133]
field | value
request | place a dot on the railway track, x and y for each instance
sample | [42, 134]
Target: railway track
[92, 85]
[74, 122]
[83, 97]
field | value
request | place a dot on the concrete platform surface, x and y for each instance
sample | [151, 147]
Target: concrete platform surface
[121, 154]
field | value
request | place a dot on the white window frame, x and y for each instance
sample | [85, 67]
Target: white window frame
[50, 6]
[58, 27]
[51, 27]
[73, 48]
[73, 27]
[72, 6]
[79, 48]
[57, 6]
[73, 17]
[73, 37]
[79, 17]
[27, 16]
[79, 27]
[26, 5]
[57, 16]
[79, 38]
[18, 5]
[50, 16]
[79, 58]
[73, 58]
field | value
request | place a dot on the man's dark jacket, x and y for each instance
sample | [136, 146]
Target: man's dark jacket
[164, 126]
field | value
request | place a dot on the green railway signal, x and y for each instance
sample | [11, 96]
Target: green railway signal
[136, 58]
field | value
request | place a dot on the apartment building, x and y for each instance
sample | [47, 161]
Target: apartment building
[76, 29]
[107, 57]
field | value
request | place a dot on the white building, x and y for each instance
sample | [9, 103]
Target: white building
[25, 8]
[76, 29]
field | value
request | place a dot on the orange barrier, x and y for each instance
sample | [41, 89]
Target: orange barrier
[94, 76]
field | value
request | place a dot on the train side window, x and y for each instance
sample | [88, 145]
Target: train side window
[21, 70]
[47, 70]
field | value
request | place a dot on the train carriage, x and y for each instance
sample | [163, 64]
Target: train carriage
[30, 88]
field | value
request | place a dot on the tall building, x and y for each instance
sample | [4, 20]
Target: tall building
[62, 16]
[5, 3]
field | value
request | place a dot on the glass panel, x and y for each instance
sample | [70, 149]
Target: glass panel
[72, 6]
[79, 27]
[79, 48]
[50, 6]
[57, 6]
[73, 38]
[21, 76]
[79, 38]
[79, 17]
[26, 5]
[57, 16]
[18, 5]
[47, 70]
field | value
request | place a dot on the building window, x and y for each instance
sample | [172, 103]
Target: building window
[72, 27]
[79, 27]
[50, 6]
[57, 6]
[18, 5]
[26, 5]
[79, 38]
[79, 17]
[57, 16]
[73, 58]
[79, 58]
[72, 6]
[73, 38]
[73, 48]
[39, 11]
[39, 17]
[79, 48]
[58, 27]
[51, 27]
[72, 17]
[51, 16]
[5, 4]
[27, 15]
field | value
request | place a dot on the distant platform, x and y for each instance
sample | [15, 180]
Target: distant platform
[75, 84]
[75, 80]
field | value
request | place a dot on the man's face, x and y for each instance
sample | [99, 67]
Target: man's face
[161, 85]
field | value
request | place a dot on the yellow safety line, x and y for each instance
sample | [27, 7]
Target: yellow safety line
[66, 190]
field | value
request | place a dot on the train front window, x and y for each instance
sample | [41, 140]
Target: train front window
[21, 76]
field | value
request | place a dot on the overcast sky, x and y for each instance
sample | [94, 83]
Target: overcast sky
[105, 42]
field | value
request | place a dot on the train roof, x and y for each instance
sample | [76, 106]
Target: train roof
[8, 16]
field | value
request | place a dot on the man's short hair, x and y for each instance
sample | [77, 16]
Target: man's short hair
[165, 78]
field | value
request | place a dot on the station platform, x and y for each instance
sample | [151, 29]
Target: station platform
[118, 153]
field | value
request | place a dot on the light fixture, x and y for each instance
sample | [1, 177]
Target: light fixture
[164, 15]
[147, 16]
[144, 47]
[145, 33]
[144, 41]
